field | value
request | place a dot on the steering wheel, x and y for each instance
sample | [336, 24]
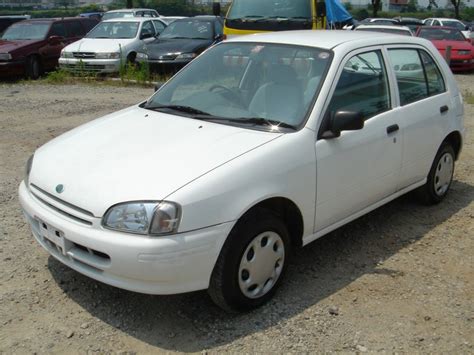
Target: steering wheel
[229, 94]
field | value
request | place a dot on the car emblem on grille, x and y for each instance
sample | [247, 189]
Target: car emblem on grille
[60, 188]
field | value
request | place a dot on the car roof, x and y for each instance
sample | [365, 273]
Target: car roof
[429, 28]
[444, 19]
[132, 19]
[55, 19]
[329, 39]
[388, 27]
[130, 10]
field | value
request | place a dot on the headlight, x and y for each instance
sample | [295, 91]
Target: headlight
[186, 56]
[142, 56]
[5, 56]
[29, 164]
[153, 218]
[467, 52]
[65, 54]
[114, 55]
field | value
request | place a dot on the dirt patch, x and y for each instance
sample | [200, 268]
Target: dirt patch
[400, 279]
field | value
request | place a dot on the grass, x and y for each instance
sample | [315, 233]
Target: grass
[129, 75]
[469, 97]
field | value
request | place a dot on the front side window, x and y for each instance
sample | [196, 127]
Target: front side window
[247, 84]
[58, 29]
[148, 29]
[74, 29]
[159, 26]
[362, 86]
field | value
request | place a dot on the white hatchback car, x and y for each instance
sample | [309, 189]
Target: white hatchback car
[111, 44]
[261, 144]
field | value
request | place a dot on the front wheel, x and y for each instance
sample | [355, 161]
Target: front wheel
[251, 263]
[440, 176]
[33, 68]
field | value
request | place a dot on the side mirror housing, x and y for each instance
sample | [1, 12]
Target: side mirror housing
[146, 35]
[344, 121]
[54, 40]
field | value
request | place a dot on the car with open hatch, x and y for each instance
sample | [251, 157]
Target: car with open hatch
[260, 145]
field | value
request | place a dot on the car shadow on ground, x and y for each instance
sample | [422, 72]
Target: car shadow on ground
[191, 322]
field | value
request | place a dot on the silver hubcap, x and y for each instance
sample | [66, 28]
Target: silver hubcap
[443, 174]
[261, 264]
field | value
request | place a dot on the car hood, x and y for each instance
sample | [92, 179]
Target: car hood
[101, 45]
[166, 46]
[136, 154]
[10, 46]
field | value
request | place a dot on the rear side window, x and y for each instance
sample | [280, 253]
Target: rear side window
[75, 29]
[362, 86]
[58, 29]
[418, 77]
[433, 75]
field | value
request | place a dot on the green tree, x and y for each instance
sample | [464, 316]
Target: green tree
[456, 4]
[375, 7]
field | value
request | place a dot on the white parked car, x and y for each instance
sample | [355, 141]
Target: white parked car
[262, 144]
[396, 30]
[449, 22]
[110, 44]
[124, 13]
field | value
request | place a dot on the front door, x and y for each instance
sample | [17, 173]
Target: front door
[361, 167]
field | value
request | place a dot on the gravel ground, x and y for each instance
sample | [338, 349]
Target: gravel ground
[400, 279]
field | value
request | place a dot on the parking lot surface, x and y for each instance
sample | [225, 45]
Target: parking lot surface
[400, 279]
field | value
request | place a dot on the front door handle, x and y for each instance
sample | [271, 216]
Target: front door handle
[444, 109]
[392, 128]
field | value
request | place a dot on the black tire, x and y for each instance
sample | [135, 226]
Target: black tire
[33, 67]
[224, 287]
[432, 193]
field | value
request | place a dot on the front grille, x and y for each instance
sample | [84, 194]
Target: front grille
[65, 208]
[83, 67]
[167, 57]
[83, 55]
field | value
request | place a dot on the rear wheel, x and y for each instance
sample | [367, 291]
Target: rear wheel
[251, 263]
[33, 67]
[439, 177]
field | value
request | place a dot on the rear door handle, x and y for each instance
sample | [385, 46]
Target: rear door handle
[392, 128]
[444, 109]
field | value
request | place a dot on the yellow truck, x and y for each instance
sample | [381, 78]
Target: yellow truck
[251, 16]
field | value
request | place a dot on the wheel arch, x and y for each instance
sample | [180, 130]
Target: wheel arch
[285, 209]
[455, 140]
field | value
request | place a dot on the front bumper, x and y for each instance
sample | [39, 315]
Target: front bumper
[164, 65]
[90, 65]
[153, 265]
[12, 68]
[461, 64]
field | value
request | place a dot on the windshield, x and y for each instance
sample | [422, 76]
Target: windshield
[24, 31]
[188, 29]
[247, 84]
[122, 14]
[439, 34]
[114, 30]
[454, 24]
[270, 8]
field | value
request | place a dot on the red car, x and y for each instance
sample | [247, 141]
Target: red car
[462, 50]
[32, 47]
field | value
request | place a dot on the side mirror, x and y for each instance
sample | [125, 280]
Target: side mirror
[344, 121]
[219, 37]
[54, 40]
[216, 8]
[146, 35]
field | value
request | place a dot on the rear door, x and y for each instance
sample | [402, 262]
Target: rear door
[424, 107]
[52, 50]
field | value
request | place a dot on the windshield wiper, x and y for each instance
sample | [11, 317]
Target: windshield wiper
[180, 108]
[258, 121]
